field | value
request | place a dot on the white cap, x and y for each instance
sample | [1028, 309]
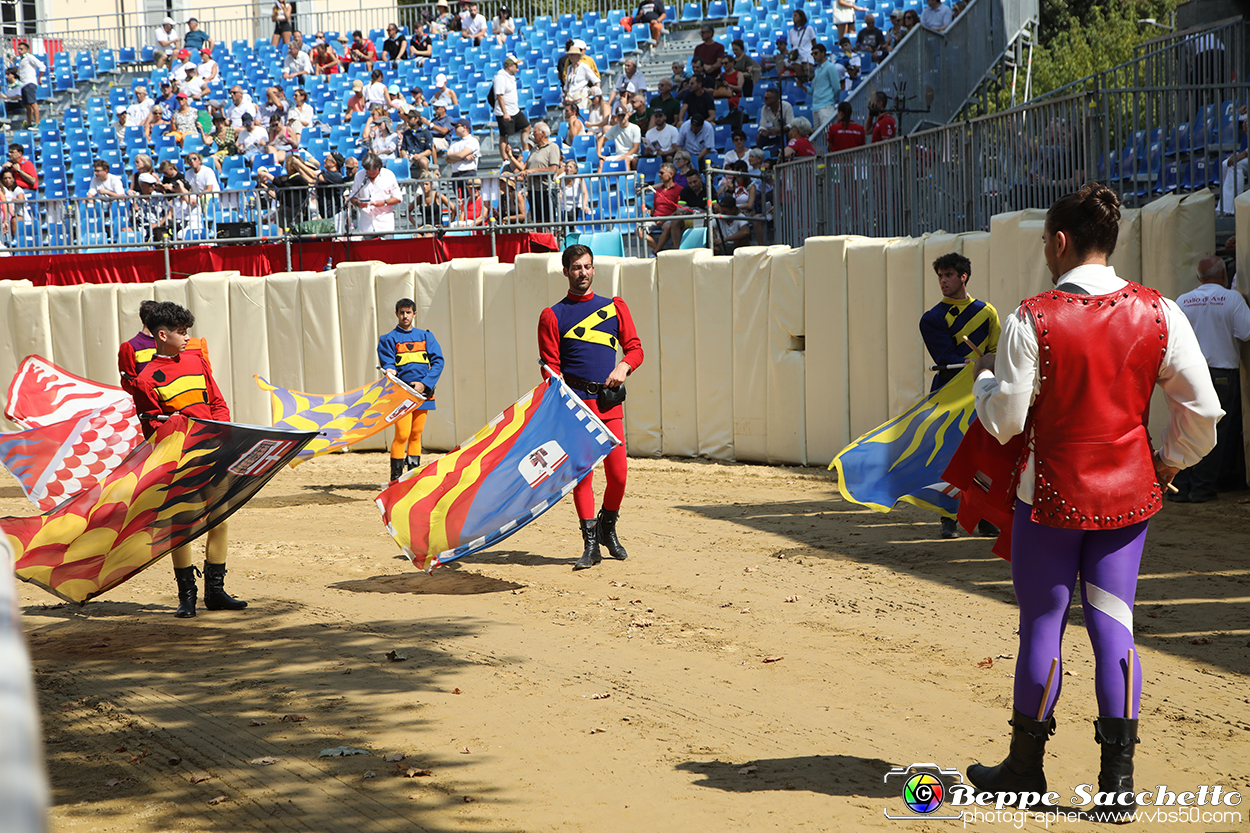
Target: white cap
[440, 80]
[579, 44]
[149, 178]
[170, 21]
[119, 109]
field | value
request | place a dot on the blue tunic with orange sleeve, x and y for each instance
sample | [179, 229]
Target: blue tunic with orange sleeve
[415, 356]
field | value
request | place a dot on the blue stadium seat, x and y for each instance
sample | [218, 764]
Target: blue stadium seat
[606, 244]
[691, 13]
[717, 10]
[400, 168]
[694, 238]
[649, 168]
[126, 55]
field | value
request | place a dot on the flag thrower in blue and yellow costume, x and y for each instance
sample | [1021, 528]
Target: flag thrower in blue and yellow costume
[413, 356]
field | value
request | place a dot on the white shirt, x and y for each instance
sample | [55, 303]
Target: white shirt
[179, 73]
[473, 25]
[299, 62]
[203, 182]
[256, 138]
[580, 79]
[304, 112]
[1220, 319]
[937, 19]
[28, 69]
[137, 113]
[208, 70]
[163, 39]
[1003, 398]
[695, 143]
[112, 182]
[506, 103]
[375, 93]
[384, 144]
[622, 139]
[372, 218]
[195, 87]
[235, 111]
[473, 146]
[662, 139]
[636, 83]
[802, 40]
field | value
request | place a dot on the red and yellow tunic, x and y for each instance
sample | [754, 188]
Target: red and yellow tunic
[178, 384]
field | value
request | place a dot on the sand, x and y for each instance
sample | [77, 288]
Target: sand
[638, 695]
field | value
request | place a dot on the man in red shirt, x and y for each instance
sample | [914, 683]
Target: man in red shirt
[881, 124]
[709, 52]
[667, 193]
[23, 169]
[362, 50]
[844, 133]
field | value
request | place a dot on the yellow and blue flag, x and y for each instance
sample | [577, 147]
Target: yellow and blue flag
[485, 489]
[904, 459]
[340, 419]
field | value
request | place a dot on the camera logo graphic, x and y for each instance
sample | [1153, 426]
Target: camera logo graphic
[924, 789]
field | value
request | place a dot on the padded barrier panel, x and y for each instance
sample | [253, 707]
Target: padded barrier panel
[129, 296]
[1127, 256]
[249, 336]
[714, 356]
[432, 293]
[607, 276]
[531, 294]
[750, 351]
[866, 327]
[170, 290]
[1242, 207]
[467, 349]
[787, 418]
[936, 245]
[1001, 285]
[644, 428]
[30, 323]
[976, 247]
[285, 330]
[557, 283]
[99, 330]
[906, 357]
[65, 314]
[358, 336]
[9, 350]
[675, 275]
[323, 353]
[1176, 233]
[499, 335]
[825, 377]
[1034, 273]
[209, 295]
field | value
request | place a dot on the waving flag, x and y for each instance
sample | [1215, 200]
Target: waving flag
[189, 476]
[341, 419]
[509, 473]
[904, 459]
[43, 394]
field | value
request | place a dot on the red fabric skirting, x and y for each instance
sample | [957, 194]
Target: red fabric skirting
[262, 259]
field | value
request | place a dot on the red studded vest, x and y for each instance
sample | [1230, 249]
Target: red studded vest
[1098, 359]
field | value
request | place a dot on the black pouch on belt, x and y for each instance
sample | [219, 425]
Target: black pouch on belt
[609, 398]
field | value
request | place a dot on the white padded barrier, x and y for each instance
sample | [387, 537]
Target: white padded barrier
[713, 353]
[826, 346]
[675, 273]
[750, 353]
[866, 327]
[100, 331]
[1177, 232]
[129, 296]
[500, 342]
[905, 350]
[431, 285]
[209, 297]
[285, 329]
[65, 315]
[249, 343]
[358, 334]
[467, 350]
[644, 424]
[1127, 256]
[787, 415]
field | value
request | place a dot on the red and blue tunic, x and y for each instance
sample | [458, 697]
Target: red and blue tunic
[578, 337]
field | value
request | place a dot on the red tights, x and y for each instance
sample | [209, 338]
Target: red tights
[615, 467]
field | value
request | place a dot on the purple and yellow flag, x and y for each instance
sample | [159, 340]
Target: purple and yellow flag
[340, 419]
[509, 473]
[189, 476]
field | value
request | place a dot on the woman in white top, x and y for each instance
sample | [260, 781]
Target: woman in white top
[843, 16]
[301, 110]
[280, 14]
[575, 198]
[375, 91]
[801, 39]
[503, 25]
[442, 94]
[598, 117]
[13, 208]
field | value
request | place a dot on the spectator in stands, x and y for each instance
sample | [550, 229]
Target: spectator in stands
[620, 143]
[356, 101]
[844, 133]
[178, 67]
[638, 112]
[737, 153]
[398, 103]
[729, 86]
[541, 170]
[871, 39]
[330, 187]
[652, 14]
[12, 93]
[937, 17]
[843, 15]
[208, 71]
[375, 91]
[119, 127]
[799, 42]
[697, 100]
[473, 25]
[325, 62]
[662, 139]
[105, 183]
[742, 188]
[442, 93]
[362, 50]
[630, 81]
[296, 65]
[697, 138]
[139, 113]
[252, 138]
[280, 14]
[379, 134]
[665, 101]
[395, 44]
[598, 114]
[580, 74]
[442, 127]
[142, 165]
[708, 73]
[417, 142]
[185, 120]
[418, 98]
[679, 77]
[442, 18]
[196, 39]
[503, 26]
[201, 177]
[692, 200]
[240, 103]
[576, 127]
[681, 162]
[297, 38]
[774, 121]
[29, 69]
[166, 42]
[195, 87]
[897, 30]
[166, 97]
[275, 105]
[729, 231]
[224, 138]
[464, 152]
[667, 193]
[799, 144]
[709, 52]
[429, 203]
[507, 109]
[13, 210]
[420, 46]
[575, 196]
[826, 85]
[745, 64]
[881, 124]
[375, 193]
[350, 166]
[564, 59]
[300, 109]
[23, 169]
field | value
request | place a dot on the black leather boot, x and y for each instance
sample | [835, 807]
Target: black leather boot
[397, 468]
[215, 595]
[1021, 771]
[187, 593]
[590, 540]
[414, 462]
[1118, 737]
[607, 534]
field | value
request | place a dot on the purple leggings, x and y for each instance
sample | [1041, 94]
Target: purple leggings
[1045, 565]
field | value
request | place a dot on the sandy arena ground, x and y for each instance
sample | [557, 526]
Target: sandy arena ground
[764, 657]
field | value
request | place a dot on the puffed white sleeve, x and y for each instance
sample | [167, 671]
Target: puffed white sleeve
[1004, 396]
[1193, 407]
